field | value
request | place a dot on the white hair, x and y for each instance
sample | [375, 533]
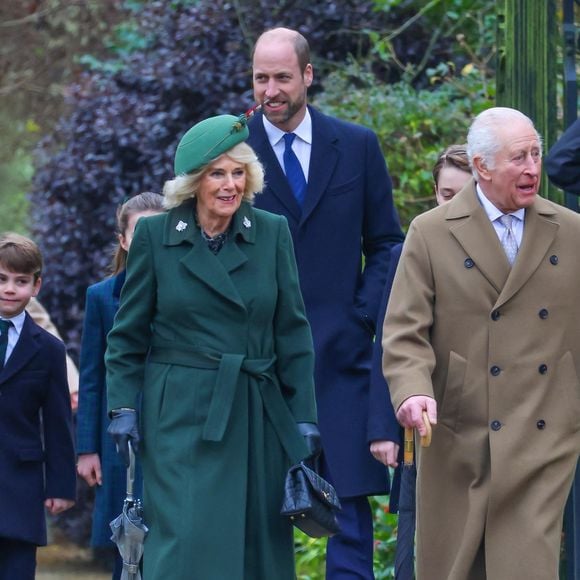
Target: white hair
[183, 187]
[482, 138]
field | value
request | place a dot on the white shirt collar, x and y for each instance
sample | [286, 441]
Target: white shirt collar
[493, 212]
[303, 131]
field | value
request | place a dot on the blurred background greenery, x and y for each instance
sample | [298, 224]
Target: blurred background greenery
[93, 94]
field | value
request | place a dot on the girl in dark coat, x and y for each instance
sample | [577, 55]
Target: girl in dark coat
[98, 463]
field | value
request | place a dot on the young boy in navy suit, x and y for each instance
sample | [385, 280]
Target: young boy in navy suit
[37, 458]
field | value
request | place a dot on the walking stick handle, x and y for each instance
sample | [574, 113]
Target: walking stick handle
[409, 440]
[426, 439]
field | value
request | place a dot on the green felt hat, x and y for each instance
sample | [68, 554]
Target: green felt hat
[207, 140]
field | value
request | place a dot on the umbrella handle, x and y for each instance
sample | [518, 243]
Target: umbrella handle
[130, 473]
[408, 447]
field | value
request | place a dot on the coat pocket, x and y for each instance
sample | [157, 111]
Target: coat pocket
[345, 187]
[450, 398]
[30, 454]
[566, 382]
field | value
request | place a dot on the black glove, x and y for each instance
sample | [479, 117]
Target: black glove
[311, 436]
[123, 429]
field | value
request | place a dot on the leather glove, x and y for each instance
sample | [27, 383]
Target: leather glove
[312, 438]
[124, 430]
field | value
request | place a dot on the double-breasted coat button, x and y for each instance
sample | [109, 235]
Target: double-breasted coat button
[541, 424]
[495, 315]
[553, 259]
[543, 369]
[496, 425]
[543, 313]
[495, 370]
[469, 263]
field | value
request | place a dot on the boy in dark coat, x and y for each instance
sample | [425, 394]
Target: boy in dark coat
[37, 460]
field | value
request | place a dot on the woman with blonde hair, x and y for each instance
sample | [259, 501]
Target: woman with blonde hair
[213, 338]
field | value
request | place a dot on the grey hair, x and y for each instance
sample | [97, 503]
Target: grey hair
[183, 187]
[482, 138]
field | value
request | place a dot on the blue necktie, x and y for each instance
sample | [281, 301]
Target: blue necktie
[4, 326]
[293, 170]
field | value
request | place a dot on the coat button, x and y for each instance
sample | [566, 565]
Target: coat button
[541, 424]
[553, 259]
[495, 315]
[495, 370]
[496, 425]
[543, 369]
[543, 313]
[469, 263]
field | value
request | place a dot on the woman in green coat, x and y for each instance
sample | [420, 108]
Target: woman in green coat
[212, 337]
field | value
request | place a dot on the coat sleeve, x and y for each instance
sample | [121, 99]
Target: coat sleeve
[563, 162]
[408, 357]
[292, 335]
[129, 340]
[60, 471]
[381, 229]
[92, 376]
[382, 422]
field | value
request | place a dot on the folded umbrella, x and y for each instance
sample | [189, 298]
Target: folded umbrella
[405, 548]
[129, 529]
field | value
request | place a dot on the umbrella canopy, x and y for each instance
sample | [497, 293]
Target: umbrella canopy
[129, 529]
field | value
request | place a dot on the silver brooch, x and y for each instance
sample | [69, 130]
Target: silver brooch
[247, 223]
[180, 226]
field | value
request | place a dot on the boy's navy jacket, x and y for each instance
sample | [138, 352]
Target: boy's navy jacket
[37, 458]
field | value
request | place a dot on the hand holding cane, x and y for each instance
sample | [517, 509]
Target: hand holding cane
[409, 445]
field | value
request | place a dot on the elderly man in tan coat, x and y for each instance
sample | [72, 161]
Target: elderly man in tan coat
[483, 332]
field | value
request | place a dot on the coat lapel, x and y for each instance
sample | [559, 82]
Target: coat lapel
[471, 227]
[214, 271]
[26, 348]
[540, 230]
[323, 160]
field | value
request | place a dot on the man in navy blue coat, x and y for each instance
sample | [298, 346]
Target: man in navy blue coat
[343, 212]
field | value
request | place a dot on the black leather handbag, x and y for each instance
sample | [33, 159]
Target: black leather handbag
[310, 502]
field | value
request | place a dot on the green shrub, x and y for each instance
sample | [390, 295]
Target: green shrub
[310, 552]
[413, 125]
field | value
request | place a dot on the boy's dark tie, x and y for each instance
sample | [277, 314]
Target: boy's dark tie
[293, 169]
[4, 326]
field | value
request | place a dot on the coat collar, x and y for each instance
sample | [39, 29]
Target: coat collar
[323, 159]
[471, 227]
[27, 346]
[181, 229]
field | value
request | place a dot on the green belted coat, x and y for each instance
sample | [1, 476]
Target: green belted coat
[220, 350]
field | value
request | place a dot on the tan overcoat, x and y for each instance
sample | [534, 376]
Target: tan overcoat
[500, 352]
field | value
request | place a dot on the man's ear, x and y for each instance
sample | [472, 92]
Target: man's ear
[481, 168]
[308, 75]
[37, 285]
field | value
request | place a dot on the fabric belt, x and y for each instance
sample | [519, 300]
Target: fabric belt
[229, 367]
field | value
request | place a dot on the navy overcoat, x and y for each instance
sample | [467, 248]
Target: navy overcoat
[562, 163]
[37, 458]
[102, 302]
[348, 213]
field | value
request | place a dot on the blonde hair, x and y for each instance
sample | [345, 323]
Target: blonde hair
[183, 187]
